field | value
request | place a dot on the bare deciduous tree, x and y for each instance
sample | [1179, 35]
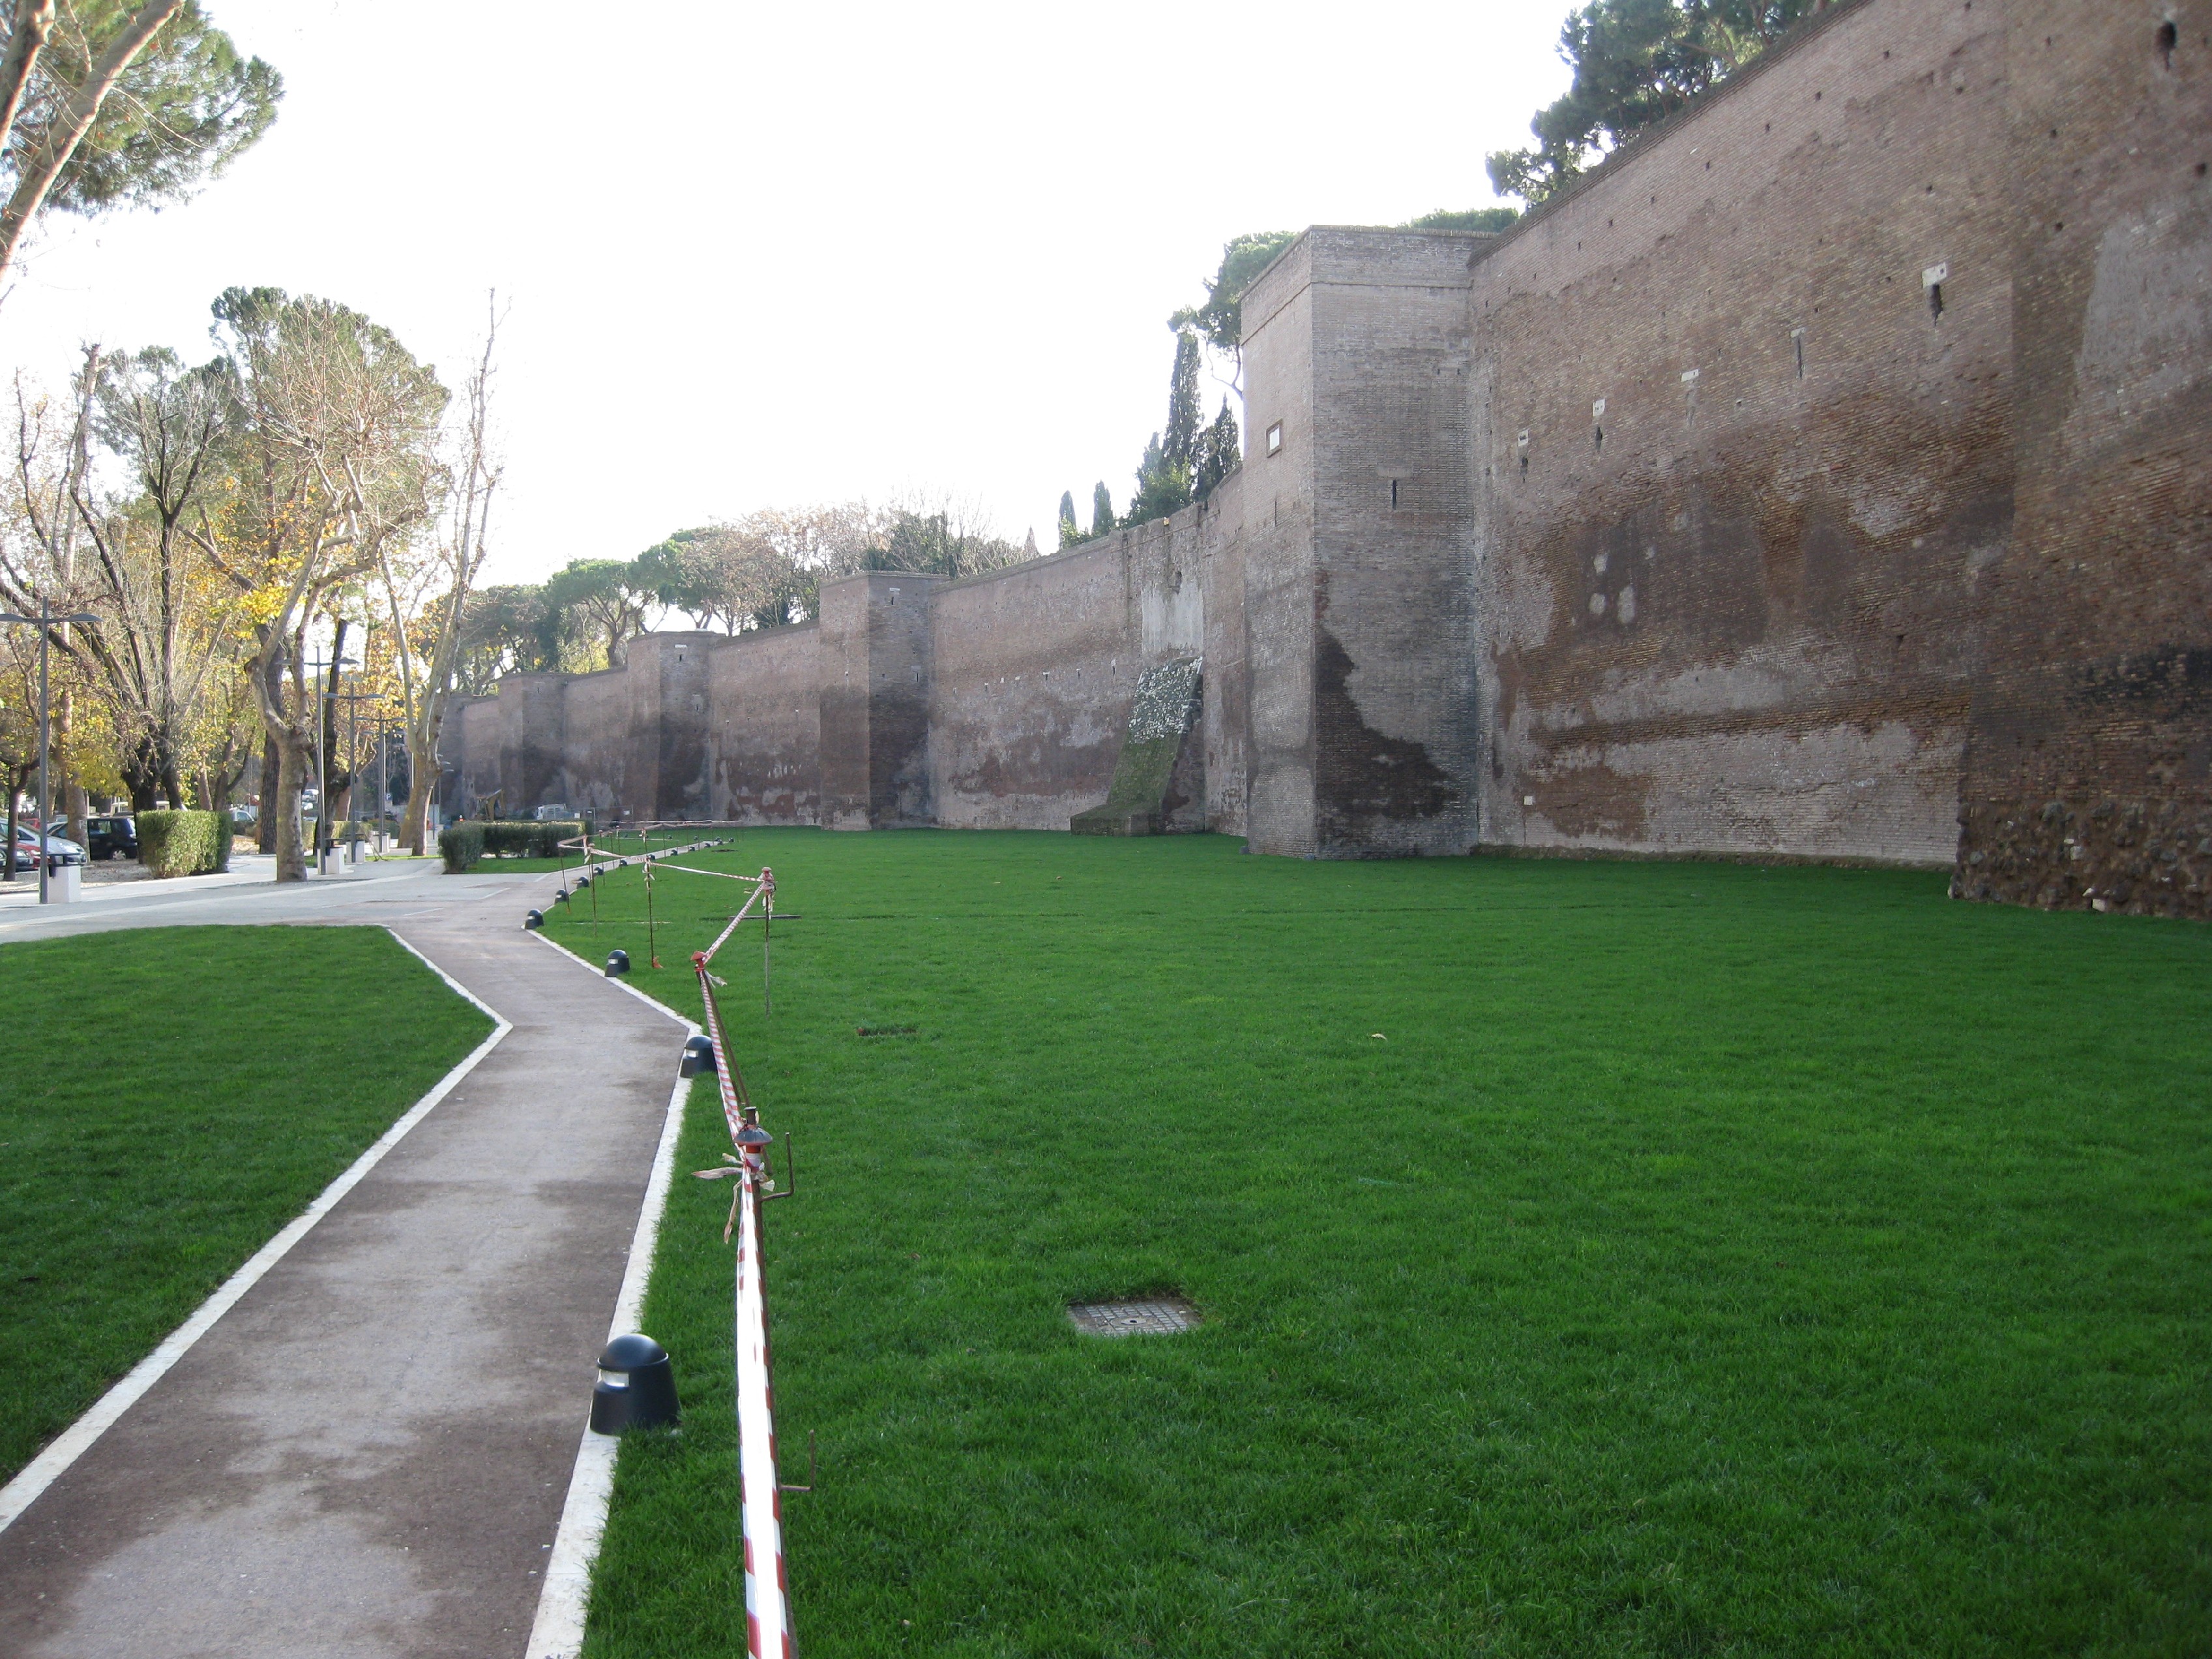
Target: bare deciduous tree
[427, 676]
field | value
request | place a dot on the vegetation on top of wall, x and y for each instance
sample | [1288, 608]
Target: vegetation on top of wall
[1636, 62]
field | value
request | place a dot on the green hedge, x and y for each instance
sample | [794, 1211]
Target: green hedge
[184, 842]
[460, 846]
[463, 842]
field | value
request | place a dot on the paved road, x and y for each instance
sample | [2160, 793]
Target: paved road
[368, 1455]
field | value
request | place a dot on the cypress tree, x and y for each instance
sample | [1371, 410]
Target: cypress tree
[1069, 535]
[1217, 451]
[1102, 509]
[1180, 444]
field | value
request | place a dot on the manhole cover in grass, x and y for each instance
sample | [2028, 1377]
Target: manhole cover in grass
[1155, 1316]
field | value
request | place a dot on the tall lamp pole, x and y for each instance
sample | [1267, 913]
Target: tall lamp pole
[354, 699]
[45, 622]
[323, 762]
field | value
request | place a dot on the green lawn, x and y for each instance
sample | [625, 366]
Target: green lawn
[1595, 1258]
[169, 1098]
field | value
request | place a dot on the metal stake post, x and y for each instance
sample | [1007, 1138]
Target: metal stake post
[45, 623]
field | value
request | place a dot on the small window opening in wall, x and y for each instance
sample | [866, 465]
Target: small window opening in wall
[1597, 437]
[2169, 36]
[1394, 492]
[1933, 279]
[1935, 301]
[1275, 439]
[1797, 339]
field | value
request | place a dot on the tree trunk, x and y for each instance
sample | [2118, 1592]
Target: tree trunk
[418, 810]
[293, 754]
[9, 858]
[422, 770]
[264, 827]
[139, 775]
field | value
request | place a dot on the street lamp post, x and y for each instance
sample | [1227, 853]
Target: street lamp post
[323, 762]
[45, 622]
[355, 700]
[385, 727]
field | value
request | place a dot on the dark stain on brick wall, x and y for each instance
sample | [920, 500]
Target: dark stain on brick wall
[1364, 780]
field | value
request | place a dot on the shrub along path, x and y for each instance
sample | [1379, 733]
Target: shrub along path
[368, 1453]
[1593, 1258]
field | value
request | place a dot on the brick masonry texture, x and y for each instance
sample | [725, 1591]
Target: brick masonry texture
[1826, 476]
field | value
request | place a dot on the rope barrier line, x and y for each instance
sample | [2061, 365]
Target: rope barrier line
[768, 1585]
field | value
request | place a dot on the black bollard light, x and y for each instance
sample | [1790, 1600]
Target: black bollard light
[698, 1057]
[618, 962]
[533, 922]
[562, 897]
[583, 882]
[636, 1388]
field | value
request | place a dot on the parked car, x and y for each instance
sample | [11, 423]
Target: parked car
[113, 836]
[59, 848]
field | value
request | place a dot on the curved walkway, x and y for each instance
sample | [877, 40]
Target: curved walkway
[368, 1454]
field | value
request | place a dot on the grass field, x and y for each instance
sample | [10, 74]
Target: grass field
[1595, 1258]
[170, 1097]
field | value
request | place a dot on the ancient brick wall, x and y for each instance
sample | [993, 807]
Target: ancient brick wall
[874, 678]
[1276, 559]
[1226, 704]
[2091, 737]
[469, 745]
[668, 677]
[1356, 547]
[765, 740]
[596, 749]
[1737, 465]
[1033, 669]
[1845, 437]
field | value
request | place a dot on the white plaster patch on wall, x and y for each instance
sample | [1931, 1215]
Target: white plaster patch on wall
[1836, 792]
[1710, 688]
[2149, 314]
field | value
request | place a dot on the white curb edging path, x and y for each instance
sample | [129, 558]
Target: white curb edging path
[558, 1632]
[42, 1471]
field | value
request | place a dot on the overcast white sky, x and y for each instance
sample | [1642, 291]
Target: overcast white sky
[763, 256]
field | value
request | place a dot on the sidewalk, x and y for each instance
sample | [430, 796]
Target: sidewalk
[253, 895]
[368, 1454]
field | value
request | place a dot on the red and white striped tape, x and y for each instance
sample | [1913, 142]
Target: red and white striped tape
[767, 1586]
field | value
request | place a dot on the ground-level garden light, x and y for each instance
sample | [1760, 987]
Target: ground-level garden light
[533, 921]
[636, 1388]
[617, 963]
[698, 1057]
